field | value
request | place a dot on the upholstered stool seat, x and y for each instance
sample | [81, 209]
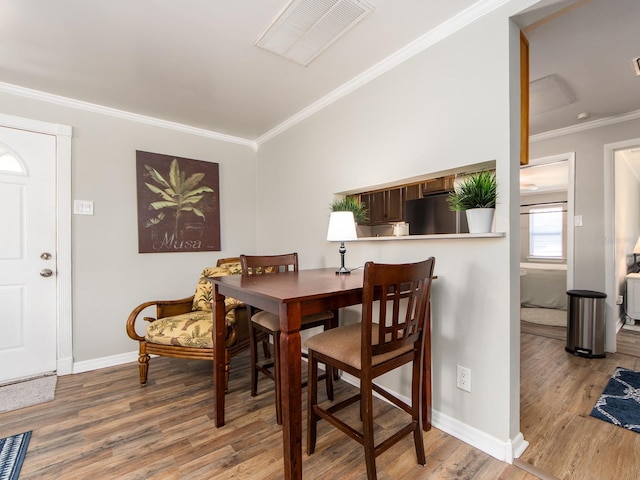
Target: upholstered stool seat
[272, 322]
[344, 345]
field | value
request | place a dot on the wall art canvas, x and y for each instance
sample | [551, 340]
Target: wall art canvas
[178, 204]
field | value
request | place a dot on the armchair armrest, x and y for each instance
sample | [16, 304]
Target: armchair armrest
[164, 308]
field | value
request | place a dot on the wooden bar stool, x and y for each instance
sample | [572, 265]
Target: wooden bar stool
[265, 324]
[369, 349]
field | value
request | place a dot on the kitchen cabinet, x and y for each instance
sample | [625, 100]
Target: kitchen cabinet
[438, 185]
[435, 185]
[387, 206]
[412, 192]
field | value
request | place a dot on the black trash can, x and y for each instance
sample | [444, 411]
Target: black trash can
[585, 323]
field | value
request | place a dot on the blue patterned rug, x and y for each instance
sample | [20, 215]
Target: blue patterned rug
[12, 452]
[620, 401]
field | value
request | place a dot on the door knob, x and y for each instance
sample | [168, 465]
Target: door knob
[45, 256]
[47, 272]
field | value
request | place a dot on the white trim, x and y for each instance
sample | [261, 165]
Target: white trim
[64, 318]
[586, 126]
[110, 361]
[504, 451]
[515, 448]
[611, 320]
[112, 112]
[63, 275]
[427, 40]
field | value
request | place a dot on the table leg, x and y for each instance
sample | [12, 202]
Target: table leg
[291, 387]
[219, 333]
[426, 363]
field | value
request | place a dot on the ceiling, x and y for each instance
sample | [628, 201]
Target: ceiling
[588, 45]
[194, 62]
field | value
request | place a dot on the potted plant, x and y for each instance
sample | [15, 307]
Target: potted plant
[476, 196]
[352, 204]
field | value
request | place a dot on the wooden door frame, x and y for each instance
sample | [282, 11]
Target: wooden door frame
[64, 321]
[524, 99]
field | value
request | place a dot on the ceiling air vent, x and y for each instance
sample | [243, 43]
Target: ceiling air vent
[548, 93]
[305, 28]
[636, 65]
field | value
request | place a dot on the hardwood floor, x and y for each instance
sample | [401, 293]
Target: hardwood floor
[628, 342]
[104, 425]
[559, 333]
[558, 392]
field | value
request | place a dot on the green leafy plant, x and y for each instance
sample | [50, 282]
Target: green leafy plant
[478, 190]
[179, 193]
[352, 204]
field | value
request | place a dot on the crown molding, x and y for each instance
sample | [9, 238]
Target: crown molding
[112, 112]
[427, 40]
[602, 122]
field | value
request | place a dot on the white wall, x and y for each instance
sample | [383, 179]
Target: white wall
[456, 103]
[109, 276]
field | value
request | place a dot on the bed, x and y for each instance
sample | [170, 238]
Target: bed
[543, 297]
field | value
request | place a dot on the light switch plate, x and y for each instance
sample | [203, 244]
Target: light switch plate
[577, 221]
[83, 207]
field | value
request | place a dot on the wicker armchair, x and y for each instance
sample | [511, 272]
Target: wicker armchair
[183, 328]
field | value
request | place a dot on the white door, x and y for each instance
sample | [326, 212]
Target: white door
[27, 253]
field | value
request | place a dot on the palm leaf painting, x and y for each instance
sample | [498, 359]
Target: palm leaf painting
[179, 193]
[177, 202]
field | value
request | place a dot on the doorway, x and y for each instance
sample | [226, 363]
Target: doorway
[546, 246]
[58, 177]
[549, 178]
[622, 229]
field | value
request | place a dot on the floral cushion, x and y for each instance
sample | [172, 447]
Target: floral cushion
[193, 329]
[202, 297]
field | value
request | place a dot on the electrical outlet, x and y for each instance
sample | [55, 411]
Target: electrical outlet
[463, 381]
[619, 300]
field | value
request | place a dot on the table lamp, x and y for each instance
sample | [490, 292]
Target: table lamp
[342, 228]
[636, 251]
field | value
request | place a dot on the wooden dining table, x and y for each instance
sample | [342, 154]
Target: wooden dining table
[290, 296]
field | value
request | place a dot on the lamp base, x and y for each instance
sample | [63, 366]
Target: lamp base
[342, 270]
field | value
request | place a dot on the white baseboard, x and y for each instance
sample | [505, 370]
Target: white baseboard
[104, 362]
[518, 446]
[503, 451]
[64, 366]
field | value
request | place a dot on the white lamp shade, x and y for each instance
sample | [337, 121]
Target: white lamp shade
[636, 249]
[342, 227]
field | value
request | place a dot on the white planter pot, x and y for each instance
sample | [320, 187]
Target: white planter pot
[480, 220]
